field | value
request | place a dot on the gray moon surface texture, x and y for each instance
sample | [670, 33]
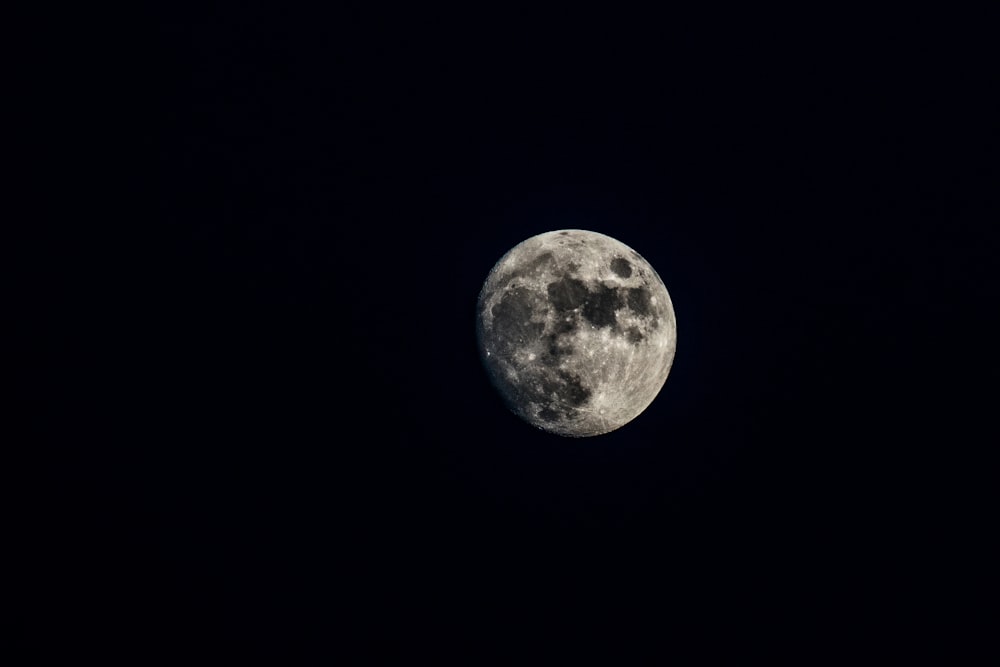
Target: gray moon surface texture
[576, 331]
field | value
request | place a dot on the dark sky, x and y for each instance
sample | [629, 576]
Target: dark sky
[299, 453]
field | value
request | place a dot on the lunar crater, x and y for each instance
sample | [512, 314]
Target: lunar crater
[621, 267]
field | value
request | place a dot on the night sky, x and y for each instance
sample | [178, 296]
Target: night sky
[298, 455]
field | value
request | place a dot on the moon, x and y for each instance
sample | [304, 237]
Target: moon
[576, 331]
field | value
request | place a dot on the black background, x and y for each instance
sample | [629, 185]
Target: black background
[282, 443]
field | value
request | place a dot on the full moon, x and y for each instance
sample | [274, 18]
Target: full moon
[576, 331]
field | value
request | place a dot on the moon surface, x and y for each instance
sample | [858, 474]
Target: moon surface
[577, 332]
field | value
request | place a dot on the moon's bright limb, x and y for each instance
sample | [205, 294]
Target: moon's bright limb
[577, 332]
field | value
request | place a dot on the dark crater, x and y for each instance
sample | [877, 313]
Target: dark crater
[621, 267]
